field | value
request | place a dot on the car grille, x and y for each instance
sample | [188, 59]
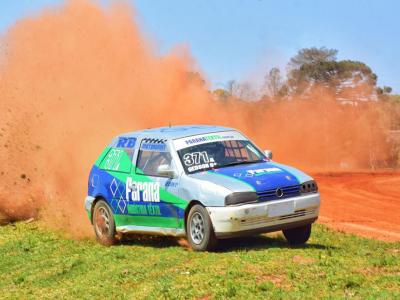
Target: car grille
[288, 191]
[264, 220]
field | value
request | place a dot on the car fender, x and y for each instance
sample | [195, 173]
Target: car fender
[206, 192]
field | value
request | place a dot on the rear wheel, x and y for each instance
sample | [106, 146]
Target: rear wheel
[103, 223]
[199, 229]
[298, 235]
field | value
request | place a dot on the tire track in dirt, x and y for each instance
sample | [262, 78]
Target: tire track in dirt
[363, 203]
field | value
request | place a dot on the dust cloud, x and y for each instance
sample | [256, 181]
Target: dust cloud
[74, 76]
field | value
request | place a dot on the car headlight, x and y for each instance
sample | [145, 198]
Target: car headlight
[241, 198]
[309, 187]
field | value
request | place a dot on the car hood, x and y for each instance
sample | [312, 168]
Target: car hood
[257, 177]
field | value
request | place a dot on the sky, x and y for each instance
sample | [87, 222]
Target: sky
[242, 40]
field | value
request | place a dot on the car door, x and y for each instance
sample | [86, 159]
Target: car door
[152, 197]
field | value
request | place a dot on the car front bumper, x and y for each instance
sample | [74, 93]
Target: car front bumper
[264, 217]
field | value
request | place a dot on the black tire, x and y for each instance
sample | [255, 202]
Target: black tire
[103, 223]
[298, 235]
[199, 229]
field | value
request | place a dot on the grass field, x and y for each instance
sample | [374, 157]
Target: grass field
[37, 263]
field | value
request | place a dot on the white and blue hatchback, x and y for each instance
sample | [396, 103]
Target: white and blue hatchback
[203, 182]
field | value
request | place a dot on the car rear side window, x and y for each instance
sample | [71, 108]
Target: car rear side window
[118, 160]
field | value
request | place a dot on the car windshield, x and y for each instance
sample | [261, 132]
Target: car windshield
[218, 155]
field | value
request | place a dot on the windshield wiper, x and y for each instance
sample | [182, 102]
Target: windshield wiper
[238, 163]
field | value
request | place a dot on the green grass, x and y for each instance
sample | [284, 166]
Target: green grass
[37, 263]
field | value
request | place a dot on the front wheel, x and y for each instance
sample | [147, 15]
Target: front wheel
[298, 235]
[199, 229]
[103, 223]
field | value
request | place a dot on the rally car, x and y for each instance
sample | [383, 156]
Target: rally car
[203, 182]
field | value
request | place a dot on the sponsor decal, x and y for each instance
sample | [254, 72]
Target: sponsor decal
[145, 210]
[118, 159]
[153, 147]
[142, 191]
[208, 138]
[126, 142]
[171, 184]
[263, 171]
[198, 161]
[201, 167]
[113, 160]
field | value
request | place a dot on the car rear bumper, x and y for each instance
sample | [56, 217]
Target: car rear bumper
[264, 217]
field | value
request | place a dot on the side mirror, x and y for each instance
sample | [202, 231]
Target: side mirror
[166, 171]
[268, 153]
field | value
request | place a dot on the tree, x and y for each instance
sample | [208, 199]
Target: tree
[345, 78]
[221, 94]
[273, 83]
[312, 56]
[386, 90]
[241, 90]
[231, 87]
[310, 66]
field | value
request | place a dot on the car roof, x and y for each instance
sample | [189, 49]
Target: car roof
[175, 132]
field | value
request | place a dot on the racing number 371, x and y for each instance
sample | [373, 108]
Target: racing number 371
[196, 158]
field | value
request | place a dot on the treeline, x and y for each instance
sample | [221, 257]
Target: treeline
[316, 74]
[347, 81]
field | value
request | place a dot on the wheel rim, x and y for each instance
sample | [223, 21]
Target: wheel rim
[197, 228]
[102, 222]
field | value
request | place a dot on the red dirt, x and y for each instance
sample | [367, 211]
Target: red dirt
[367, 204]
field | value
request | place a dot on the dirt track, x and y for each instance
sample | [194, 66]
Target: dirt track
[367, 204]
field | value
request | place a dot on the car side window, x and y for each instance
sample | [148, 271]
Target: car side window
[152, 154]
